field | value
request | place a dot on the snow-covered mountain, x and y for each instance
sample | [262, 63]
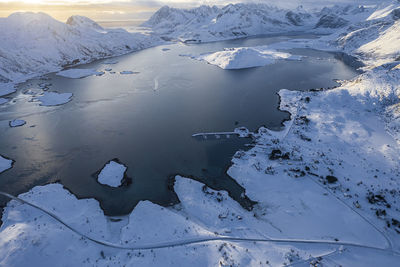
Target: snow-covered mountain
[35, 43]
[239, 20]
[234, 20]
[377, 37]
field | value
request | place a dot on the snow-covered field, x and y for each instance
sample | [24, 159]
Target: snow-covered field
[327, 186]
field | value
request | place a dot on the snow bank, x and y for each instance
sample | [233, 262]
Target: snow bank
[17, 123]
[112, 174]
[245, 57]
[54, 98]
[3, 101]
[79, 73]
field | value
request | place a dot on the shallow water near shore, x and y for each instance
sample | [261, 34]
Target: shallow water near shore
[147, 120]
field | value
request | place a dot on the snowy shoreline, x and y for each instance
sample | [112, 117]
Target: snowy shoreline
[332, 174]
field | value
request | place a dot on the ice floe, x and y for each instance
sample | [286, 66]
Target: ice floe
[127, 72]
[5, 164]
[16, 123]
[110, 62]
[112, 174]
[53, 98]
[79, 73]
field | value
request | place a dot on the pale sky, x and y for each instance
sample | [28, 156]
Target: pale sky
[125, 9]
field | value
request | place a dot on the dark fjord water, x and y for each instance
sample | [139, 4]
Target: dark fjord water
[146, 120]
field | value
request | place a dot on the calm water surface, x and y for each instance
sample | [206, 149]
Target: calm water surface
[146, 120]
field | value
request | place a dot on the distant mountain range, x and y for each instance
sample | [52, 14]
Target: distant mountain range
[207, 23]
[34, 43]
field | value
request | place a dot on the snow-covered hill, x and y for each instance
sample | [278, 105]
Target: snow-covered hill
[35, 43]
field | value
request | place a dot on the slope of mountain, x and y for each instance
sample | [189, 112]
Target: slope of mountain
[375, 38]
[35, 43]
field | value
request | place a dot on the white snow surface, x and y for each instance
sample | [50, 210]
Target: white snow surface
[112, 174]
[375, 39]
[349, 135]
[245, 57]
[53, 98]
[5, 164]
[203, 213]
[3, 101]
[79, 73]
[17, 123]
[386, 46]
